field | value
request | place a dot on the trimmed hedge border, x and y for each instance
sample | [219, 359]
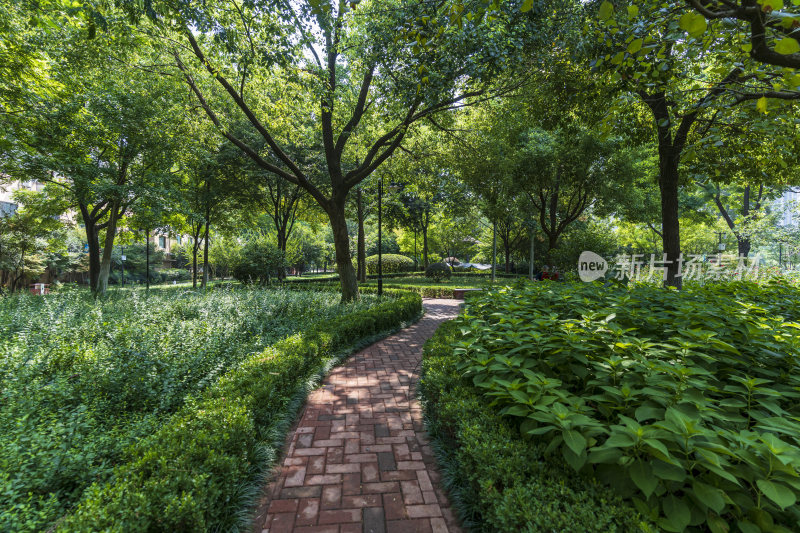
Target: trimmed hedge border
[394, 275]
[204, 468]
[498, 480]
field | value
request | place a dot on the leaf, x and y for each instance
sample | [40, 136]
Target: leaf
[575, 441]
[748, 527]
[780, 494]
[604, 455]
[717, 525]
[527, 5]
[606, 10]
[677, 512]
[761, 105]
[576, 461]
[693, 23]
[648, 412]
[787, 46]
[642, 475]
[709, 496]
[635, 46]
[668, 471]
[633, 12]
[516, 410]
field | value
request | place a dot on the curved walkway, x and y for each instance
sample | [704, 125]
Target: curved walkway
[359, 458]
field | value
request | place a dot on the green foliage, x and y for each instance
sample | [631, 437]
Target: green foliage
[593, 235]
[390, 264]
[188, 476]
[685, 402]
[82, 380]
[500, 480]
[174, 274]
[438, 272]
[259, 259]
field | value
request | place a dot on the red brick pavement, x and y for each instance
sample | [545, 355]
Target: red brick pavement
[359, 459]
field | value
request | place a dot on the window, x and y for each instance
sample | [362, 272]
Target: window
[179, 239]
[162, 242]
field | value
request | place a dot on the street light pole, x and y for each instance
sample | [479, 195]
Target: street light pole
[380, 237]
[415, 250]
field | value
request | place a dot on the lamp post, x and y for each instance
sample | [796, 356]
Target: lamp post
[123, 263]
[416, 266]
[380, 237]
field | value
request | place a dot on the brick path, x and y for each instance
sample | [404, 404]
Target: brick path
[359, 459]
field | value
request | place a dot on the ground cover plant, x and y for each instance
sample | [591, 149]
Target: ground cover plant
[684, 402]
[498, 479]
[81, 381]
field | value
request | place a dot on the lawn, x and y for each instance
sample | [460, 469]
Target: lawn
[684, 404]
[83, 380]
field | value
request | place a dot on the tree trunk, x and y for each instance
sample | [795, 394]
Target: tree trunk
[743, 245]
[194, 266]
[205, 258]
[530, 266]
[93, 240]
[670, 224]
[147, 257]
[341, 242]
[361, 252]
[494, 251]
[108, 247]
[425, 247]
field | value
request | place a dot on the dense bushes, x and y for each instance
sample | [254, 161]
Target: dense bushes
[259, 260]
[390, 264]
[685, 402]
[168, 275]
[501, 481]
[195, 473]
[82, 381]
[438, 272]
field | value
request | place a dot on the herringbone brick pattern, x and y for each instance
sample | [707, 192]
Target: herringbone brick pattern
[359, 459]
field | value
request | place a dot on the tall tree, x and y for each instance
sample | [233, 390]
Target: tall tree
[686, 82]
[358, 70]
[102, 136]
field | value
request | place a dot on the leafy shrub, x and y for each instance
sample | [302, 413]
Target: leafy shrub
[174, 274]
[685, 402]
[190, 474]
[500, 481]
[438, 271]
[390, 264]
[259, 260]
[82, 381]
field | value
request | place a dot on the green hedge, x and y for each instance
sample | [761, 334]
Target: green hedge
[201, 470]
[399, 275]
[498, 480]
[390, 264]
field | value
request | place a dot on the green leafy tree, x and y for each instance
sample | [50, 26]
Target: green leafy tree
[688, 77]
[364, 82]
[102, 137]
